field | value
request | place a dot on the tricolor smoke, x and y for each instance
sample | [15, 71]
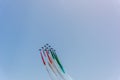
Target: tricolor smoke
[53, 64]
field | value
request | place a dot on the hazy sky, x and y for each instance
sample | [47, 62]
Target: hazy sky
[85, 33]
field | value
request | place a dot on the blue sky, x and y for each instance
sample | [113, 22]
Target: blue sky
[85, 34]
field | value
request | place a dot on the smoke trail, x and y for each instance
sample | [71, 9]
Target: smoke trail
[52, 64]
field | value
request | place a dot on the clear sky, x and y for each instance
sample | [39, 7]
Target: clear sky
[85, 33]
